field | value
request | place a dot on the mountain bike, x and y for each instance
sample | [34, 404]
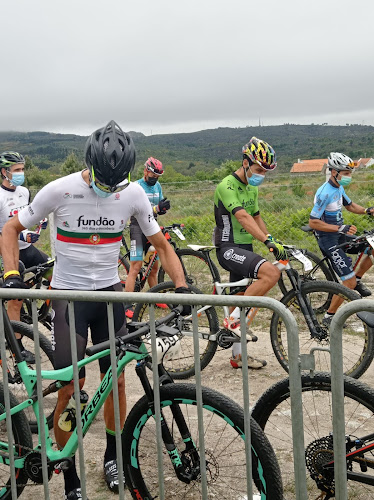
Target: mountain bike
[273, 412]
[37, 277]
[194, 264]
[14, 378]
[307, 300]
[223, 431]
[320, 268]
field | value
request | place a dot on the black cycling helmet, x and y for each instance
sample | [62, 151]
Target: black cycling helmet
[110, 154]
[9, 158]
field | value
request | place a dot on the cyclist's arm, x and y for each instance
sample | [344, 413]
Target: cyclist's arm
[250, 225]
[10, 248]
[260, 222]
[169, 259]
[356, 209]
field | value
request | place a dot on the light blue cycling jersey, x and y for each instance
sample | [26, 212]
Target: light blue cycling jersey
[154, 193]
[328, 203]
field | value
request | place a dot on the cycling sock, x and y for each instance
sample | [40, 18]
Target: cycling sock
[71, 478]
[236, 349]
[22, 347]
[111, 449]
[235, 314]
[328, 315]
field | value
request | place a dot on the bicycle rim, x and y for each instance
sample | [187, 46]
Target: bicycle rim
[15, 382]
[181, 364]
[273, 412]
[357, 338]
[224, 450]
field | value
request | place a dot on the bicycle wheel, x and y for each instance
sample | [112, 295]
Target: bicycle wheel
[21, 439]
[320, 271]
[223, 422]
[14, 379]
[196, 270]
[357, 339]
[273, 412]
[181, 365]
[123, 269]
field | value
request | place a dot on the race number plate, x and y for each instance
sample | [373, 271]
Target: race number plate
[370, 240]
[179, 233]
[307, 263]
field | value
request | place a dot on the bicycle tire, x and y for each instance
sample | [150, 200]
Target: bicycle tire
[21, 439]
[123, 269]
[357, 340]
[320, 271]
[15, 381]
[273, 413]
[182, 366]
[196, 270]
[223, 422]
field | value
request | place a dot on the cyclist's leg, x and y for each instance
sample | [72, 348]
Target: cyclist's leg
[62, 358]
[136, 256]
[100, 333]
[342, 265]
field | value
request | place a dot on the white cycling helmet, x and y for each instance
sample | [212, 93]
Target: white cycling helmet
[340, 162]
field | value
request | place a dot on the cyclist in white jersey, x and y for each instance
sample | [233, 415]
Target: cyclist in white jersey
[13, 197]
[90, 209]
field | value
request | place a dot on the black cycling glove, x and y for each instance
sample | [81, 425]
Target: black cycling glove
[344, 229]
[163, 206]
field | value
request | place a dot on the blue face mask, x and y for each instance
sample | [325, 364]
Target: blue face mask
[17, 179]
[345, 180]
[99, 192]
[255, 179]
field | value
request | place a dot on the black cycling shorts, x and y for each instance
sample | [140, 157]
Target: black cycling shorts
[240, 260]
[31, 256]
[139, 243]
[91, 315]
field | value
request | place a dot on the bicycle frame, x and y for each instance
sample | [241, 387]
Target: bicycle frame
[66, 375]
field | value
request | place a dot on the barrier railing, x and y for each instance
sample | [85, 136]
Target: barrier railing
[195, 301]
[337, 390]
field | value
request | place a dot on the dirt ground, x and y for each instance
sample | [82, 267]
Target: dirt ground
[218, 375]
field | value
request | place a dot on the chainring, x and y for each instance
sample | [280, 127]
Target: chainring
[33, 467]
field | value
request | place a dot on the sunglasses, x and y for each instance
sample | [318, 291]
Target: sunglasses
[110, 189]
[155, 170]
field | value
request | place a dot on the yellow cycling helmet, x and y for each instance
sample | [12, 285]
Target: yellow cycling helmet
[260, 152]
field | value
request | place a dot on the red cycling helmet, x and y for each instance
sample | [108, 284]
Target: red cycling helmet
[154, 166]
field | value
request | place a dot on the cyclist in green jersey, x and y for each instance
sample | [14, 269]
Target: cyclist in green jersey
[238, 221]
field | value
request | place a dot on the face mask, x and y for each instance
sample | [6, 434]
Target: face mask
[255, 179]
[151, 181]
[17, 179]
[99, 192]
[345, 180]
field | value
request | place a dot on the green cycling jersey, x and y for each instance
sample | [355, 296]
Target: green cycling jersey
[233, 195]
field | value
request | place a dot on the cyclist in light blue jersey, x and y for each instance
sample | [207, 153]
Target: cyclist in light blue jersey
[327, 220]
[140, 245]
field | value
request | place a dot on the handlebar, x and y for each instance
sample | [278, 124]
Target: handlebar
[126, 339]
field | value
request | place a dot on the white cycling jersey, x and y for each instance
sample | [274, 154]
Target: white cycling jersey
[88, 229]
[11, 202]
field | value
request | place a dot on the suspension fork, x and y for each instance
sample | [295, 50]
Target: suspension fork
[175, 456]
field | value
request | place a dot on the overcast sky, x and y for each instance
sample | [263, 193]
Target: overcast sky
[164, 66]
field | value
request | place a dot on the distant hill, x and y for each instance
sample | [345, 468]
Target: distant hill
[207, 149]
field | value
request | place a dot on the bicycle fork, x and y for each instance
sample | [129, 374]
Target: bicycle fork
[187, 463]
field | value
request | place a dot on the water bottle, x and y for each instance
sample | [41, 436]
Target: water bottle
[148, 255]
[67, 421]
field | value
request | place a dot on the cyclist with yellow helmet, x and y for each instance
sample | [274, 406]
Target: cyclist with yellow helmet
[238, 222]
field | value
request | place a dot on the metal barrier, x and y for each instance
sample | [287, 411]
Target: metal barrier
[194, 300]
[337, 390]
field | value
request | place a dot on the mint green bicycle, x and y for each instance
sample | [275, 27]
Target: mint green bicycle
[223, 430]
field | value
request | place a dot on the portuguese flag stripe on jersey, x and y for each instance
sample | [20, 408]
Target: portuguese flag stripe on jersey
[88, 238]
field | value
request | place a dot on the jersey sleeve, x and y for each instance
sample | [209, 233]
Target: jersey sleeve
[143, 213]
[321, 201]
[228, 196]
[346, 200]
[43, 204]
